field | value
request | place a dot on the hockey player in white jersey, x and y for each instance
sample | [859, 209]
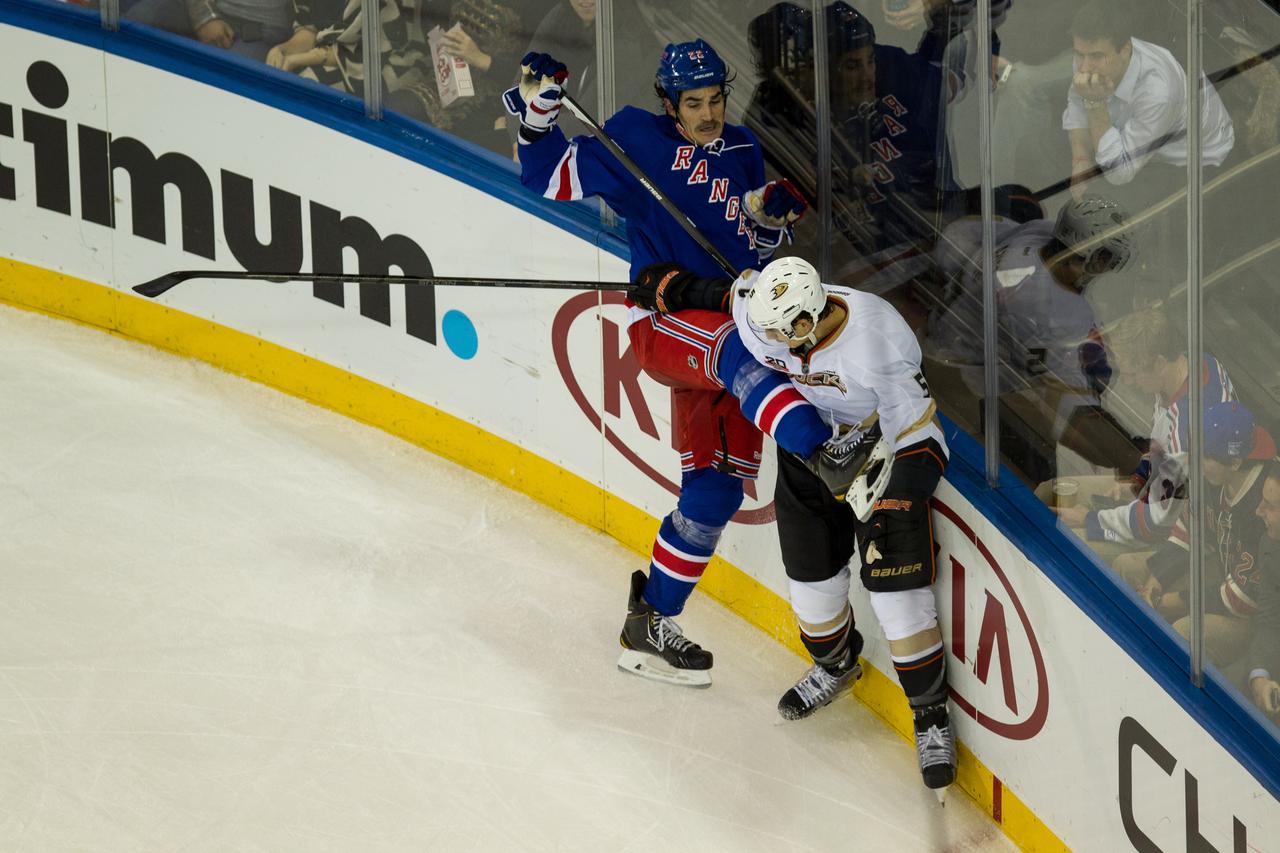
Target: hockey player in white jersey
[856, 360]
[1053, 364]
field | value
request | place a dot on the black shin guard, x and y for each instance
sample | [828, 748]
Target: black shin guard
[833, 650]
[924, 679]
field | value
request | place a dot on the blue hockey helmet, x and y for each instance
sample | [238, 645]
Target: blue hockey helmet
[689, 65]
[847, 29]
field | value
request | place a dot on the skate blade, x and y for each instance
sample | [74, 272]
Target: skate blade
[648, 666]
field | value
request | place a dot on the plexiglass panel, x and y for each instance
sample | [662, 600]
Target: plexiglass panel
[1092, 121]
[446, 64]
[1242, 484]
[248, 28]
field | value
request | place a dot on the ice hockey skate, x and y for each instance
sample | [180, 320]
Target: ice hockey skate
[817, 689]
[655, 647]
[935, 747]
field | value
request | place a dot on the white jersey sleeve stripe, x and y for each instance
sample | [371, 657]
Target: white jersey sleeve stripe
[565, 184]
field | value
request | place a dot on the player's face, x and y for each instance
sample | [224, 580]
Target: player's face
[854, 80]
[584, 9]
[1100, 56]
[801, 328]
[1100, 263]
[701, 113]
[1269, 507]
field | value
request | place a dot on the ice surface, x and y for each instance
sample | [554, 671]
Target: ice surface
[231, 621]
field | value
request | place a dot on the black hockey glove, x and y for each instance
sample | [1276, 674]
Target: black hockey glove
[666, 288]
[838, 463]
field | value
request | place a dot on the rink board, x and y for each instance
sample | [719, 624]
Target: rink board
[538, 390]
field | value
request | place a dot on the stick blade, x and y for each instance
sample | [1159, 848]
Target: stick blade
[155, 287]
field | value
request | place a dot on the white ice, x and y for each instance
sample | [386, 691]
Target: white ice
[232, 621]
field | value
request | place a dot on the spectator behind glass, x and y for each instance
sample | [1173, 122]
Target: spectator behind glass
[1256, 89]
[568, 32]
[1147, 349]
[245, 27]
[1264, 652]
[1128, 94]
[1235, 448]
[326, 46]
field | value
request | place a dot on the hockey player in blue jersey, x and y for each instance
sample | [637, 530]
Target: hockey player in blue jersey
[714, 173]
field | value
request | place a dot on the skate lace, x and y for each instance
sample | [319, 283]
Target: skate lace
[934, 746]
[669, 635]
[816, 685]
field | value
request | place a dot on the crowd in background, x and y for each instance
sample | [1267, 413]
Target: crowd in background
[1090, 153]
[1090, 157]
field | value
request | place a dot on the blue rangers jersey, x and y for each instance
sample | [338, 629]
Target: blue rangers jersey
[900, 142]
[1160, 478]
[706, 183]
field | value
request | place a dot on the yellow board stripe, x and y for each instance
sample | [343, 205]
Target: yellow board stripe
[47, 292]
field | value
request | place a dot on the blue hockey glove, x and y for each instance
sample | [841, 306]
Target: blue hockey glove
[777, 204]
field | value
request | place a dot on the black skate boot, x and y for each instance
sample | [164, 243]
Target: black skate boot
[655, 647]
[935, 746]
[819, 687]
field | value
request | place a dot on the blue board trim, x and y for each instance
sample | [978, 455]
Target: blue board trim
[1011, 508]
[1090, 584]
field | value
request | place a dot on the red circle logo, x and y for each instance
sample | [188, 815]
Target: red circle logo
[560, 327]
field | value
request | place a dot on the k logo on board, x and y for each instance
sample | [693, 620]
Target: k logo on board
[627, 418]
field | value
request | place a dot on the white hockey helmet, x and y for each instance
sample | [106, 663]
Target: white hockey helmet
[1096, 229]
[786, 289]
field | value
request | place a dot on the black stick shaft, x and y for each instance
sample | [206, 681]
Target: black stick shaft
[636, 172]
[157, 286]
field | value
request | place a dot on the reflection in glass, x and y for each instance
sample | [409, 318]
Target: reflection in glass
[1240, 328]
[1053, 365]
[248, 28]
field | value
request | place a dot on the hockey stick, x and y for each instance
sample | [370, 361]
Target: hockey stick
[168, 281]
[636, 172]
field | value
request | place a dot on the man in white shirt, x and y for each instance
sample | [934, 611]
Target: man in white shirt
[1127, 96]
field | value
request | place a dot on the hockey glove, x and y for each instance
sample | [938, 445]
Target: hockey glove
[777, 204]
[854, 466]
[667, 288]
[537, 99]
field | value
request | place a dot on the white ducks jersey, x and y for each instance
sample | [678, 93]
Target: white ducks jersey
[871, 363]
